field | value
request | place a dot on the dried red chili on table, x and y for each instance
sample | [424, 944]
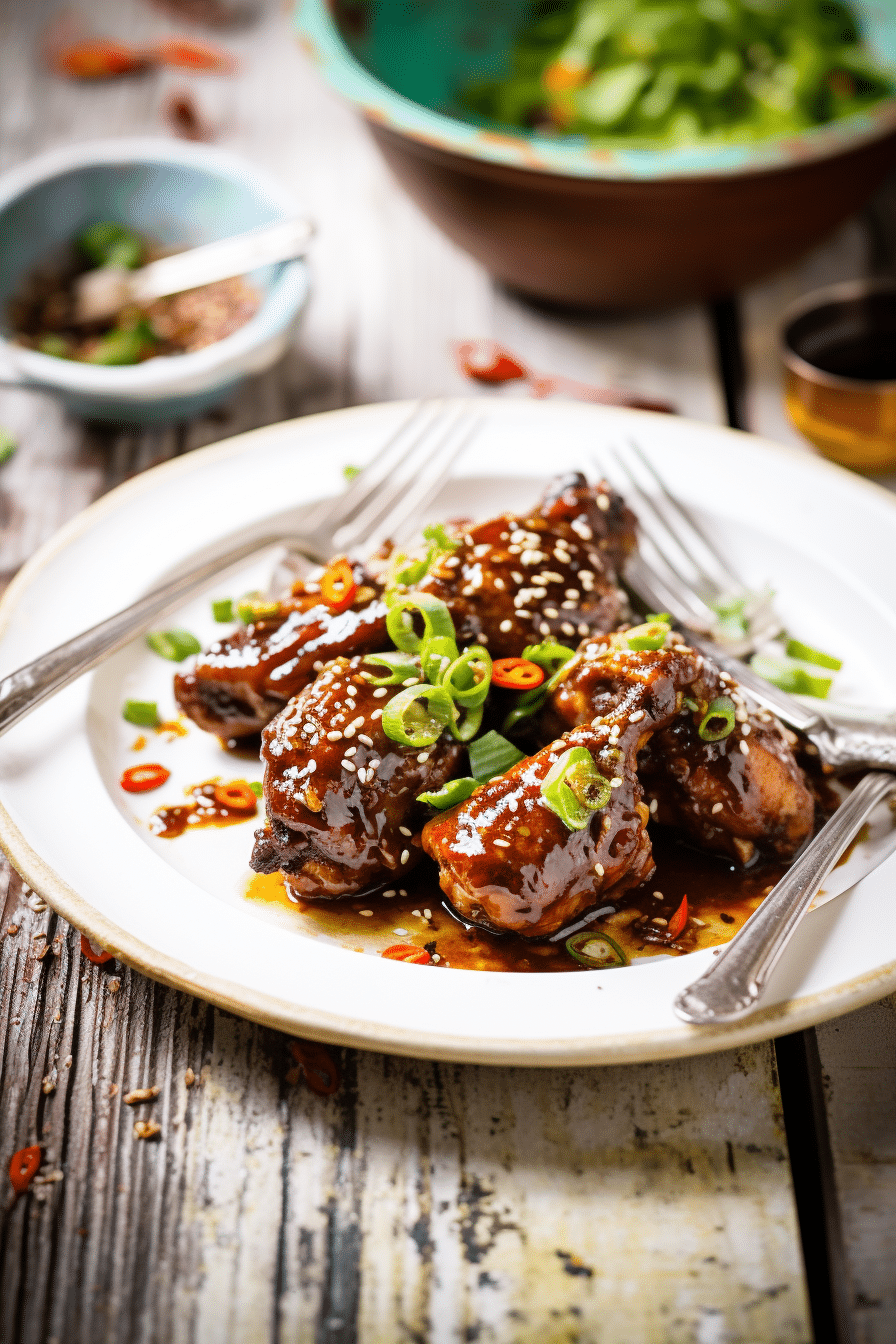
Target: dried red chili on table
[320, 1070]
[93, 952]
[99, 58]
[338, 587]
[143, 778]
[23, 1167]
[402, 952]
[517, 674]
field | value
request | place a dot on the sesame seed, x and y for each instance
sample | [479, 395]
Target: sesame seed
[368, 741]
[377, 713]
[569, 605]
[351, 751]
[317, 666]
[603, 502]
[389, 894]
[417, 913]
[404, 830]
[401, 891]
[366, 913]
[504, 844]
[659, 922]
[657, 895]
[427, 914]
[551, 611]
[568, 628]
[379, 693]
[347, 765]
[349, 731]
[615, 782]
[436, 957]
[636, 716]
[745, 730]
[744, 747]
[599, 869]
[583, 627]
[405, 855]
[505, 626]
[402, 933]
[423, 757]
[716, 808]
[653, 805]
[544, 628]
[311, 767]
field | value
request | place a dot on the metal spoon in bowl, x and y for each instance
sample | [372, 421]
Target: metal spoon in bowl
[102, 293]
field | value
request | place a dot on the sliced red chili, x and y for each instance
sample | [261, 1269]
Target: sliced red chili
[143, 778]
[517, 674]
[338, 587]
[402, 952]
[488, 362]
[237, 796]
[320, 1069]
[192, 55]
[679, 919]
[100, 59]
[93, 952]
[23, 1167]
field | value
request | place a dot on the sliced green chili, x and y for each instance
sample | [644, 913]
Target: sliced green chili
[651, 635]
[468, 678]
[415, 717]
[575, 789]
[401, 667]
[597, 950]
[796, 649]
[719, 720]
[492, 755]
[175, 645]
[144, 713]
[222, 610]
[791, 677]
[400, 621]
[450, 794]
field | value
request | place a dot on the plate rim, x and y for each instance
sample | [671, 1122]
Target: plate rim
[269, 1010]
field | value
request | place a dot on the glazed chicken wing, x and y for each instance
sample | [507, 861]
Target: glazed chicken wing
[507, 860]
[341, 796]
[242, 681]
[735, 795]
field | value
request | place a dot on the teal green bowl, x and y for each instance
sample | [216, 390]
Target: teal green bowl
[180, 195]
[561, 218]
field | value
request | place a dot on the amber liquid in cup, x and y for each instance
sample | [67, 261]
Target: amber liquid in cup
[840, 373]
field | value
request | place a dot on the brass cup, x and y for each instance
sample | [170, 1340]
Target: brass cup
[850, 419]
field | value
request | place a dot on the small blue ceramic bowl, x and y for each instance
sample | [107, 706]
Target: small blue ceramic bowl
[179, 195]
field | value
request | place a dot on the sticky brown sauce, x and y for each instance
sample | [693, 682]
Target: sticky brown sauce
[206, 806]
[720, 899]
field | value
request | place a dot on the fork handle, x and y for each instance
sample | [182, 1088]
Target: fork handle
[28, 687]
[738, 975]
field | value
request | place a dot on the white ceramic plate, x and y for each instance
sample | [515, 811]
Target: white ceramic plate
[175, 909]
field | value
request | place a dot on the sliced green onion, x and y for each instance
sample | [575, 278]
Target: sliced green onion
[597, 950]
[791, 677]
[110, 243]
[465, 723]
[415, 717]
[575, 789]
[548, 655]
[256, 607]
[436, 657]
[796, 649]
[690, 703]
[732, 622]
[256, 787]
[406, 573]
[144, 713]
[468, 678]
[8, 445]
[55, 345]
[659, 616]
[436, 535]
[454, 792]
[528, 704]
[349, 472]
[400, 623]
[401, 667]
[718, 721]
[492, 755]
[222, 610]
[651, 635]
[175, 645]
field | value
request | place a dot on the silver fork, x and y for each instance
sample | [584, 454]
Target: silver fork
[391, 492]
[679, 569]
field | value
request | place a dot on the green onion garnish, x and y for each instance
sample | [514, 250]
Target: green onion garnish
[400, 623]
[454, 792]
[406, 573]
[796, 649]
[144, 713]
[651, 635]
[575, 789]
[436, 657]
[548, 655]
[8, 445]
[468, 678]
[492, 755]
[55, 345]
[465, 723]
[222, 610]
[718, 721]
[791, 677]
[256, 787]
[175, 645]
[415, 717]
[597, 950]
[553, 658]
[401, 667]
[349, 472]
[112, 244]
[256, 607]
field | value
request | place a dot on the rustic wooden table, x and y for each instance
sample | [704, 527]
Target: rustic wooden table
[744, 1198]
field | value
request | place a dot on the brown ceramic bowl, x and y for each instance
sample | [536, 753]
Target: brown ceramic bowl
[839, 354]
[567, 222]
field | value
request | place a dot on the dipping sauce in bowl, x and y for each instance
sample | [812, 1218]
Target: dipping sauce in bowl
[839, 353]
